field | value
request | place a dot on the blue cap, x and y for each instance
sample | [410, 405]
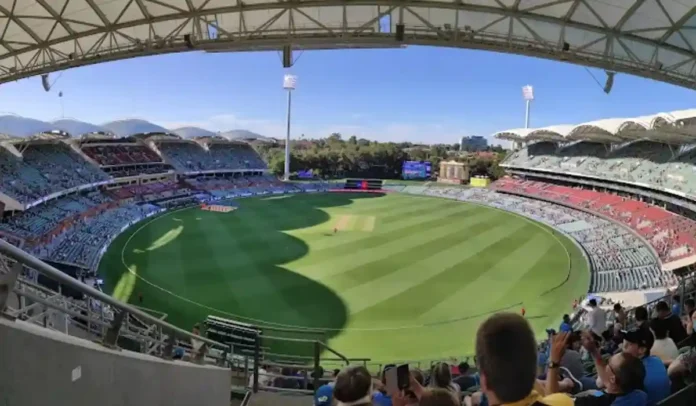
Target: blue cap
[324, 395]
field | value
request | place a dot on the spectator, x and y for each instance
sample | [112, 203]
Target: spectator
[625, 375]
[684, 365]
[353, 387]
[465, 380]
[641, 316]
[620, 314]
[199, 347]
[441, 377]
[565, 325]
[676, 305]
[637, 343]
[597, 319]
[381, 397]
[674, 324]
[506, 355]
[438, 397]
[689, 306]
[664, 347]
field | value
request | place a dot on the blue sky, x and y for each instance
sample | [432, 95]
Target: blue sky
[415, 94]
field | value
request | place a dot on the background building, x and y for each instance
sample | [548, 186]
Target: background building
[473, 143]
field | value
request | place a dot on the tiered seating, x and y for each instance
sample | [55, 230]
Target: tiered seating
[121, 154]
[671, 235]
[149, 191]
[45, 169]
[620, 260]
[192, 157]
[39, 220]
[81, 244]
[226, 187]
[645, 162]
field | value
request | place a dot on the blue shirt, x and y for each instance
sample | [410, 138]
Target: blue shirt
[656, 382]
[676, 309]
[565, 328]
[380, 399]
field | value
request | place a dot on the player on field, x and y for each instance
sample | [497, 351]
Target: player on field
[335, 230]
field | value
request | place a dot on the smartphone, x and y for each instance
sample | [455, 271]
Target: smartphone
[403, 377]
[391, 380]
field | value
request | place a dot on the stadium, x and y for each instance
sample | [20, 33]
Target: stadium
[172, 266]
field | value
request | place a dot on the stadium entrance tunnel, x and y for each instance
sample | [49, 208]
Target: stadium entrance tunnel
[192, 263]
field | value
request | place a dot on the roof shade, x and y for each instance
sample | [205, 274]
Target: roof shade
[650, 38]
[675, 127]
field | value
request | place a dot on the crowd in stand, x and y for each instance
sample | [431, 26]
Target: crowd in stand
[192, 157]
[121, 154]
[624, 365]
[620, 260]
[671, 235]
[44, 169]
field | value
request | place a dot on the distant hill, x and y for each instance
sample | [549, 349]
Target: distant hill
[23, 127]
[77, 128]
[192, 132]
[245, 135]
[128, 127]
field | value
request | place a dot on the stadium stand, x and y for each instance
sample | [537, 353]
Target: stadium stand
[620, 260]
[671, 235]
[210, 154]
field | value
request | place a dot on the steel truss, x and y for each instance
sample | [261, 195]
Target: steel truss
[649, 38]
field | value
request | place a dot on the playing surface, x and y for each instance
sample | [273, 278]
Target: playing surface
[403, 278]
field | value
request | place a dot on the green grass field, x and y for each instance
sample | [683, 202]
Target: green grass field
[405, 277]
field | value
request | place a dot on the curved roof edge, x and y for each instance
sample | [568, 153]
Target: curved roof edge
[677, 126]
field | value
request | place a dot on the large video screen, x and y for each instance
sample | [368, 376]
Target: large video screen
[416, 170]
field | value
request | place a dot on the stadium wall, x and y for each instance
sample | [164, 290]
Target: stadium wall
[44, 367]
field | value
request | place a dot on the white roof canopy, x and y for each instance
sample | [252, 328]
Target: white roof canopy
[675, 127]
[650, 38]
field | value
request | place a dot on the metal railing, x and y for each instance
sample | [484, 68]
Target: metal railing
[97, 317]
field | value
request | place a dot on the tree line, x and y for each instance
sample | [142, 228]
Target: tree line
[335, 157]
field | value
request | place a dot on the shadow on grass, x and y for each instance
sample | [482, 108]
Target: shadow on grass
[232, 266]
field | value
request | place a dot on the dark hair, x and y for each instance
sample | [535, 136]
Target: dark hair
[662, 306]
[617, 307]
[441, 375]
[630, 374]
[660, 328]
[565, 316]
[463, 368]
[690, 303]
[641, 313]
[507, 356]
[676, 298]
[438, 397]
[592, 303]
[352, 384]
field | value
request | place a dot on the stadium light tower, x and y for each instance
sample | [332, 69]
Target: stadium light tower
[528, 94]
[289, 82]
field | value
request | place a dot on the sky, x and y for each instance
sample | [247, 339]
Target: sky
[417, 94]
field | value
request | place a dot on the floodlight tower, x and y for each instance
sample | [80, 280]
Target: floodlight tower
[289, 82]
[528, 94]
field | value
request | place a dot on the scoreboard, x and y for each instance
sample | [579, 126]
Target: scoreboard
[416, 170]
[363, 184]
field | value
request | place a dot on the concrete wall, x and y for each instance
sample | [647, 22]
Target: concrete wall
[43, 367]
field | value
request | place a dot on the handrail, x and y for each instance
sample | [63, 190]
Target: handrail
[334, 352]
[24, 258]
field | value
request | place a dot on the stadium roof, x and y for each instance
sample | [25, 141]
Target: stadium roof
[675, 127]
[650, 38]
